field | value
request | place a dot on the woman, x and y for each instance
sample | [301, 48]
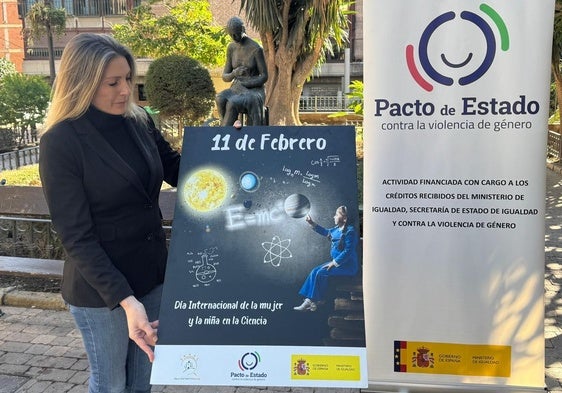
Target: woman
[102, 162]
[344, 261]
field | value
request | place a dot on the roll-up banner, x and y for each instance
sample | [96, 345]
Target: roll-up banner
[456, 107]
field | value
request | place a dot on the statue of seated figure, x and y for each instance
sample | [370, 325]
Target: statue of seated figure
[246, 68]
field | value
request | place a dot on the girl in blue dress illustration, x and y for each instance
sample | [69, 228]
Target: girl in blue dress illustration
[344, 262]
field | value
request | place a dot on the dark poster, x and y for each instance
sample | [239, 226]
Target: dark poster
[242, 248]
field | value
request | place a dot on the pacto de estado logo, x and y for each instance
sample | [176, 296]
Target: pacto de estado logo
[472, 65]
[249, 361]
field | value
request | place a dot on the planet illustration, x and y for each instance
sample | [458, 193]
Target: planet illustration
[205, 273]
[249, 181]
[296, 205]
[205, 190]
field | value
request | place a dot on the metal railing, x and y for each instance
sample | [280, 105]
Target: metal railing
[323, 104]
[553, 145]
[40, 53]
[35, 238]
[18, 158]
[29, 237]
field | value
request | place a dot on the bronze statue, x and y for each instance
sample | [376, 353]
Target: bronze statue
[246, 68]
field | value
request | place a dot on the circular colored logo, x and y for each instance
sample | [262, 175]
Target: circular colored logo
[475, 66]
[249, 361]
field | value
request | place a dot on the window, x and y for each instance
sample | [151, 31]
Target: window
[86, 7]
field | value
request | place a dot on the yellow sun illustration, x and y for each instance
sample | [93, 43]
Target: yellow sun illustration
[205, 190]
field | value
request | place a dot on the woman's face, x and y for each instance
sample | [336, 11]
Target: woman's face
[112, 95]
[339, 218]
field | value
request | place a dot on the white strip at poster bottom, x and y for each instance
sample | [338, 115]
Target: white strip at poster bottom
[336, 367]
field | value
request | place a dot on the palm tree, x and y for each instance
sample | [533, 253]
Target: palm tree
[46, 20]
[296, 35]
[555, 60]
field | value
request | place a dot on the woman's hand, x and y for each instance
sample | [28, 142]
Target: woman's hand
[141, 331]
[309, 220]
[331, 265]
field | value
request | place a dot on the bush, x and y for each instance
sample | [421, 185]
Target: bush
[180, 88]
[8, 139]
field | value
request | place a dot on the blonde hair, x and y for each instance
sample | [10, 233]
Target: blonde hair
[82, 66]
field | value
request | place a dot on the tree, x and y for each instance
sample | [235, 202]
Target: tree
[356, 104]
[355, 97]
[23, 102]
[180, 89]
[186, 29]
[46, 20]
[296, 35]
[557, 52]
[6, 68]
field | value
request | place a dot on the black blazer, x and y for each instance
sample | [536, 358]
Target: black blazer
[109, 223]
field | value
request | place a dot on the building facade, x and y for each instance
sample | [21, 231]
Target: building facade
[325, 90]
[92, 16]
[12, 47]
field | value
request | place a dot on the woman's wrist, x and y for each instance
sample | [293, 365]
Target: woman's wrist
[129, 302]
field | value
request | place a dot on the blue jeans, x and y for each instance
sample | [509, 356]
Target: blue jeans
[117, 364]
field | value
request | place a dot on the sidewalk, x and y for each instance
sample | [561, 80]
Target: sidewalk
[41, 351]
[553, 279]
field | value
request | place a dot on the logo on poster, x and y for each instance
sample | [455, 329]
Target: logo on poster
[423, 358]
[301, 367]
[249, 361]
[189, 365]
[467, 61]
[247, 364]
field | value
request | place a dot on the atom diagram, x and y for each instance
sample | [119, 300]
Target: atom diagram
[276, 250]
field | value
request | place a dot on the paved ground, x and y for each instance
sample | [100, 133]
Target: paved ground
[553, 279]
[41, 351]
